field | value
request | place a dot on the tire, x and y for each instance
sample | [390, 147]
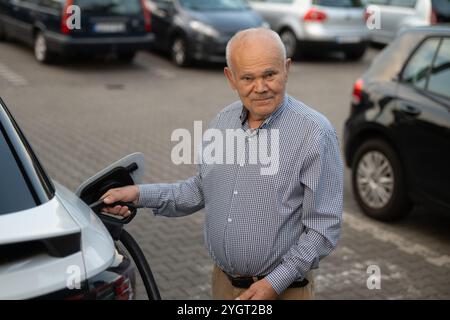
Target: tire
[2, 33]
[356, 53]
[126, 57]
[378, 181]
[41, 52]
[179, 52]
[290, 42]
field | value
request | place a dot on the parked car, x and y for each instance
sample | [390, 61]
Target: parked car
[119, 26]
[199, 29]
[397, 14]
[397, 137]
[317, 25]
[52, 245]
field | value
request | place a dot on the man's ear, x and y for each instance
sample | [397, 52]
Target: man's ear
[288, 64]
[229, 74]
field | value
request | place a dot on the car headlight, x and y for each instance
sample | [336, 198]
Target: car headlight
[265, 25]
[203, 28]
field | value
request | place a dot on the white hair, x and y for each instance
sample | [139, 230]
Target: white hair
[248, 33]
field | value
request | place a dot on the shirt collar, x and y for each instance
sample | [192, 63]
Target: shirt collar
[244, 114]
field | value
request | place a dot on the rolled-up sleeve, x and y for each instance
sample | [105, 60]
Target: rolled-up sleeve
[322, 180]
[173, 199]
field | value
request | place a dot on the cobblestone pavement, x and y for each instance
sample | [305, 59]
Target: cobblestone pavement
[82, 115]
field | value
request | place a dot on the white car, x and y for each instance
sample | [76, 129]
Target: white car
[52, 245]
[395, 15]
[309, 26]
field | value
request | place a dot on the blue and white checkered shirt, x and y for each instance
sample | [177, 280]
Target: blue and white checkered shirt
[279, 224]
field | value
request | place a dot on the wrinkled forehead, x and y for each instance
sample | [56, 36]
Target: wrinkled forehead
[256, 48]
[257, 57]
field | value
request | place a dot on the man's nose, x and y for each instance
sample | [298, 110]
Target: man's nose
[260, 86]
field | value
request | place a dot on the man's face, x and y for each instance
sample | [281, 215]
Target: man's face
[259, 74]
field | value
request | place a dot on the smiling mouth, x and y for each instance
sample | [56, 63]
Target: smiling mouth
[265, 99]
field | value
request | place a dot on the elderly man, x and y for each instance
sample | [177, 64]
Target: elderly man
[265, 231]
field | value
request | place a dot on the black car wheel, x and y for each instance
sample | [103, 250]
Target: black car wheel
[2, 33]
[179, 51]
[378, 181]
[355, 53]
[290, 42]
[41, 52]
[126, 57]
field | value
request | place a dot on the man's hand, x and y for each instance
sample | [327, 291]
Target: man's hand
[125, 194]
[260, 290]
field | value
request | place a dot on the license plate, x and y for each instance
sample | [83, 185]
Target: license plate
[348, 39]
[109, 27]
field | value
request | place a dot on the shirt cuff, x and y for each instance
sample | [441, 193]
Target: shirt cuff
[148, 196]
[282, 277]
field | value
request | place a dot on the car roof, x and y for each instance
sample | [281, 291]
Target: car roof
[444, 28]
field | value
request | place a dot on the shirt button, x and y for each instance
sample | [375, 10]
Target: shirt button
[235, 192]
[229, 220]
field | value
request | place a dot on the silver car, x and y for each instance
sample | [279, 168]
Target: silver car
[317, 25]
[394, 15]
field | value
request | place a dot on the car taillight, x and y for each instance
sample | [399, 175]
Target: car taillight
[433, 17]
[315, 15]
[103, 288]
[357, 91]
[147, 16]
[367, 14]
[65, 16]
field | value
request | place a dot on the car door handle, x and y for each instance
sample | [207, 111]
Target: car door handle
[410, 110]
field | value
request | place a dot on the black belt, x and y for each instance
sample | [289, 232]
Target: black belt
[246, 282]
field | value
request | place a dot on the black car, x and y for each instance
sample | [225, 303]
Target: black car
[70, 27]
[397, 138]
[199, 29]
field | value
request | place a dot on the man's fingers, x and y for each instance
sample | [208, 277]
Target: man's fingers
[123, 210]
[246, 295]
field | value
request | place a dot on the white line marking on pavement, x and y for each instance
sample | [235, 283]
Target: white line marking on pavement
[12, 77]
[401, 243]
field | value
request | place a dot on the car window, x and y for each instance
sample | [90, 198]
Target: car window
[338, 3]
[274, 1]
[55, 4]
[439, 81]
[15, 193]
[403, 3]
[214, 4]
[382, 2]
[112, 7]
[418, 66]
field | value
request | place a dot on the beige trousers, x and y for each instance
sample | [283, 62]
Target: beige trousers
[222, 289]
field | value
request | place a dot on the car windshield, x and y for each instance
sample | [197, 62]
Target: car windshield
[110, 7]
[338, 3]
[15, 192]
[203, 5]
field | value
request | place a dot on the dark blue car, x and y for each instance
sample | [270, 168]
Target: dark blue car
[70, 27]
[199, 29]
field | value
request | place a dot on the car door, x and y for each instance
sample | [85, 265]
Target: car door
[19, 22]
[163, 12]
[422, 119]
